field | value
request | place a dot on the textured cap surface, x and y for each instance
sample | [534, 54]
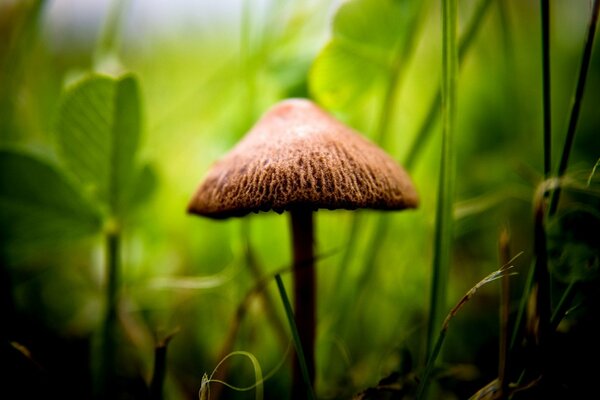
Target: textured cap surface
[297, 155]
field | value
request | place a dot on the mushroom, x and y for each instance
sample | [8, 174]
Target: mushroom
[298, 158]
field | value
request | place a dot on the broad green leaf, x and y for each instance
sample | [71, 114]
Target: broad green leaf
[143, 186]
[374, 25]
[98, 129]
[339, 76]
[368, 37]
[38, 204]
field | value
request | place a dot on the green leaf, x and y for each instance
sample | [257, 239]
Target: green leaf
[38, 205]
[144, 185]
[339, 76]
[368, 37]
[374, 25]
[98, 129]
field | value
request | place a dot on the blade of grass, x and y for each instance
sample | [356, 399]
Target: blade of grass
[545, 8]
[573, 118]
[593, 172]
[535, 301]
[443, 226]
[381, 225]
[522, 307]
[498, 274]
[576, 103]
[503, 349]
[540, 319]
[204, 392]
[563, 303]
[292, 322]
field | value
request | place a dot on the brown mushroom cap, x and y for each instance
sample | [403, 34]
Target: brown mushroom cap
[298, 155]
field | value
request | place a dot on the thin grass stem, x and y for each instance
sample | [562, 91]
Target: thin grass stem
[108, 41]
[563, 303]
[423, 384]
[522, 308]
[297, 344]
[443, 228]
[503, 349]
[106, 379]
[159, 371]
[576, 104]
[546, 98]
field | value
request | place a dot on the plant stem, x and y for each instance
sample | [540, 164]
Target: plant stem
[304, 295]
[545, 6]
[108, 356]
[422, 388]
[108, 40]
[522, 307]
[576, 103]
[304, 373]
[160, 369]
[540, 319]
[503, 349]
[443, 228]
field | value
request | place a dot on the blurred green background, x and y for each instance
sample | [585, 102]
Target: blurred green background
[206, 71]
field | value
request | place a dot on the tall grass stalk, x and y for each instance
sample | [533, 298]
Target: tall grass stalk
[540, 233]
[535, 300]
[423, 134]
[576, 103]
[159, 371]
[503, 349]
[443, 227]
[296, 337]
[382, 223]
[546, 98]
[517, 326]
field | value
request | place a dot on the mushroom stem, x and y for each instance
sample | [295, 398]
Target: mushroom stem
[304, 295]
